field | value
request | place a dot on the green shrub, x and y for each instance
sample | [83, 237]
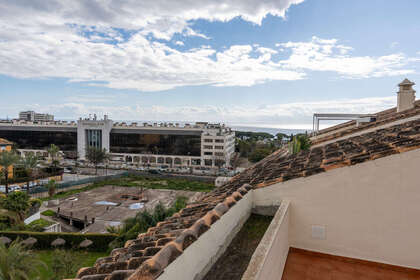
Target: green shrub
[44, 239]
[143, 220]
[35, 201]
[49, 213]
[38, 225]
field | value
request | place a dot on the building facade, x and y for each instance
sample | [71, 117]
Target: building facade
[35, 117]
[6, 146]
[191, 145]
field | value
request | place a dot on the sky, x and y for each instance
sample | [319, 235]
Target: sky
[268, 63]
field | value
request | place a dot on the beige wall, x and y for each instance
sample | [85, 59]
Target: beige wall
[370, 211]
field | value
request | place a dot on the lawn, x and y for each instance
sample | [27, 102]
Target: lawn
[75, 260]
[141, 181]
[40, 223]
[49, 213]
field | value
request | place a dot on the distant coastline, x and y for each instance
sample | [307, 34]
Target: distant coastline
[270, 130]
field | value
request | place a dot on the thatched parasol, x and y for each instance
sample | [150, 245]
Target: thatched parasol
[85, 243]
[29, 241]
[5, 240]
[58, 242]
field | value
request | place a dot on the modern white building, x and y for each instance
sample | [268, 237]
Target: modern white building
[158, 144]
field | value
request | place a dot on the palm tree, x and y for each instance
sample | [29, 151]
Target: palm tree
[18, 263]
[7, 159]
[51, 186]
[29, 163]
[53, 151]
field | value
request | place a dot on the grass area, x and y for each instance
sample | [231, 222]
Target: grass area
[40, 223]
[141, 181]
[49, 213]
[74, 261]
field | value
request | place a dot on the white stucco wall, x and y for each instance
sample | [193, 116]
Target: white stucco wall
[198, 258]
[370, 211]
[269, 259]
[32, 218]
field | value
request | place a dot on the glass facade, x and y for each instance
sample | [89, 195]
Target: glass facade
[94, 138]
[37, 140]
[155, 144]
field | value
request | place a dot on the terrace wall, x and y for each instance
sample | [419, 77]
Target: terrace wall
[269, 259]
[369, 211]
[200, 256]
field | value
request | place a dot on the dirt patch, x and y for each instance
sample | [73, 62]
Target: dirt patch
[234, 262]
[147, 183]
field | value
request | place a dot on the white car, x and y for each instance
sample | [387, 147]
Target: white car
[14, 188]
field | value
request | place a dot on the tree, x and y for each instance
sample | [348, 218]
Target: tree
[64, 263]
[96, 156]
[51, 186]
[7, 159]
[15, 206]
[259, 154]
[53, 151]
[299, 142]
[280, 136]
[18, 263]
[29, 163]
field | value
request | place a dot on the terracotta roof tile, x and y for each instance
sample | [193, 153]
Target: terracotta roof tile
[146, 257]
[350, 127]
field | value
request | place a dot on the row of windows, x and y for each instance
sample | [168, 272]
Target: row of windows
[155, 144]
[216, 154]
[216, 147]
[216, 140]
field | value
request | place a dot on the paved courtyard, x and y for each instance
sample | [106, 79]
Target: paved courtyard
[110, 205]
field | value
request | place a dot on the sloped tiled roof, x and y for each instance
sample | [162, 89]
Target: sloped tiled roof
[5, 142]
[146, 257]
[350, 127]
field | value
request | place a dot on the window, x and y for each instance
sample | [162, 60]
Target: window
[218, 147]
[208, 140]
[208, 147]
[219, 154]
[220, 141]
[208, 153]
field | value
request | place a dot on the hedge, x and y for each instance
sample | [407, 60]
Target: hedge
[44, 239]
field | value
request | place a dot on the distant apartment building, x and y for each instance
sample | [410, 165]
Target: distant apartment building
[191, 145]
[35, 117]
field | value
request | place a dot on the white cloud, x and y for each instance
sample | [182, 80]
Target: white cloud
[287, 115]
[161, 17]
[328, 55]
[179, 43]
[79, 40]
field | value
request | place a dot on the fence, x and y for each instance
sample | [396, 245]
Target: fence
[66, 185]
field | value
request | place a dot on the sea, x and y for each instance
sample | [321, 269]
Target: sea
[271, 130]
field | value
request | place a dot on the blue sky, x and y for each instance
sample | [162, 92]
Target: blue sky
[266, 63]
